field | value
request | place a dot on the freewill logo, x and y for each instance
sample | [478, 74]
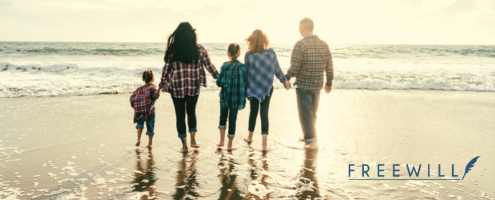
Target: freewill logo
[366, 168]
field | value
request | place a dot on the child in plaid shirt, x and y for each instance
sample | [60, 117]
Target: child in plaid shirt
[143, 101]
[233, 81]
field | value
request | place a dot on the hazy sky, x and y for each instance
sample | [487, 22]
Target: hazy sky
[338, 22]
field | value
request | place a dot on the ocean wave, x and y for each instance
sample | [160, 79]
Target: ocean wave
[282, 50]
[69, 79]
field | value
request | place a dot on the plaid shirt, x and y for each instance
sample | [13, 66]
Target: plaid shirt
[143, 101]
[310, 58]
[233, 81]
[181, 79]
[262, 67]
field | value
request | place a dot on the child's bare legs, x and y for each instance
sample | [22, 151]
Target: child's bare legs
[150, 142]
[193, 140]
[139, 132]
[184, 145]
[222, 138]
[229, 146]
[265, 141]
[250, 137]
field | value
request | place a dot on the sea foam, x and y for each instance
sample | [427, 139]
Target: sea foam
[70, 79]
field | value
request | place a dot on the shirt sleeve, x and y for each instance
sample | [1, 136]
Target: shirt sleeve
[246, 63]
[205, 60]
[278, 71]
[329, 69]
[132, 99]
[295, 61]
[220, 77]
[154, 94]
[163, 80]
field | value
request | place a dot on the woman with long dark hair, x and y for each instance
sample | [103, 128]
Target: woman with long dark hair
[182, 76]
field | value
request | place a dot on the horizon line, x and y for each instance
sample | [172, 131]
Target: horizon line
[243, 42]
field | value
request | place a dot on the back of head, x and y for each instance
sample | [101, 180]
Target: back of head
[257, 41]
[307, 23]
[234, 50]
[182, 45]
[148, 75]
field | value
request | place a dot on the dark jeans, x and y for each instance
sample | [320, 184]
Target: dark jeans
[263, 108]
[307, 105]
[188, 103]
[150, 124]
[232, 115]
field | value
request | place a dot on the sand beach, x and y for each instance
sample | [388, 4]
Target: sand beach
[82, 147]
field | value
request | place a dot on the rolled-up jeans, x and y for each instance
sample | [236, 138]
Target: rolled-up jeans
[307, 105]
[183, 105]
[231, 114]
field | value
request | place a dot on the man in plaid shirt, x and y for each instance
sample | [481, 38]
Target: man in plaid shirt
[310, 59]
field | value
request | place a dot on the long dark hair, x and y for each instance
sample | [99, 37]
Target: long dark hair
[234, 52]
[182, 45]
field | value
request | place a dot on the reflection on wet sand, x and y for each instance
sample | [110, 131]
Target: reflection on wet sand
[186, 176]
[259, 186]
[145, 178]
[227, 176]
[307, 188]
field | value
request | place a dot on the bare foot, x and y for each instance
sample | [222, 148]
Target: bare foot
[138, 143]
[248, 140]
[313, 146]
[195, 145]
[266, 150]
[149, 146]
[184, 150]
[220, 144]
[230, 148]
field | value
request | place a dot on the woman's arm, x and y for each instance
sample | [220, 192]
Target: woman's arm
[278, 71]
[205, 60]
[163, 80]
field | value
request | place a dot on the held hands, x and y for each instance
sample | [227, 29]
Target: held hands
[328, 89]
[287, 85]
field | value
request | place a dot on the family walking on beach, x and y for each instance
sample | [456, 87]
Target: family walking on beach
[183, 74]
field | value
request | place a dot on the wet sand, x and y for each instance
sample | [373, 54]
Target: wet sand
[82, 147]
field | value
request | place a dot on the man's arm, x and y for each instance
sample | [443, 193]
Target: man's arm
[295, 61]
[329, 73]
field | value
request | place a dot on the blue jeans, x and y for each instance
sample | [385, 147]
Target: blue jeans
[232, 115]
[150, 124]
[183, 105]
[263, 108]
[307, 105]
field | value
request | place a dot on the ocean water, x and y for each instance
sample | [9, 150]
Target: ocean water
[46, 69]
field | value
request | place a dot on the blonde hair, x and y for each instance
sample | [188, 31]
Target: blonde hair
[234, 50]
[257, 41]
[148, 75]
[307, 23]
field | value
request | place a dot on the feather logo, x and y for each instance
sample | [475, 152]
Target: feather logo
[469, 166]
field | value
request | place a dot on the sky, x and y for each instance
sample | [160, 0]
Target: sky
[336, 21]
